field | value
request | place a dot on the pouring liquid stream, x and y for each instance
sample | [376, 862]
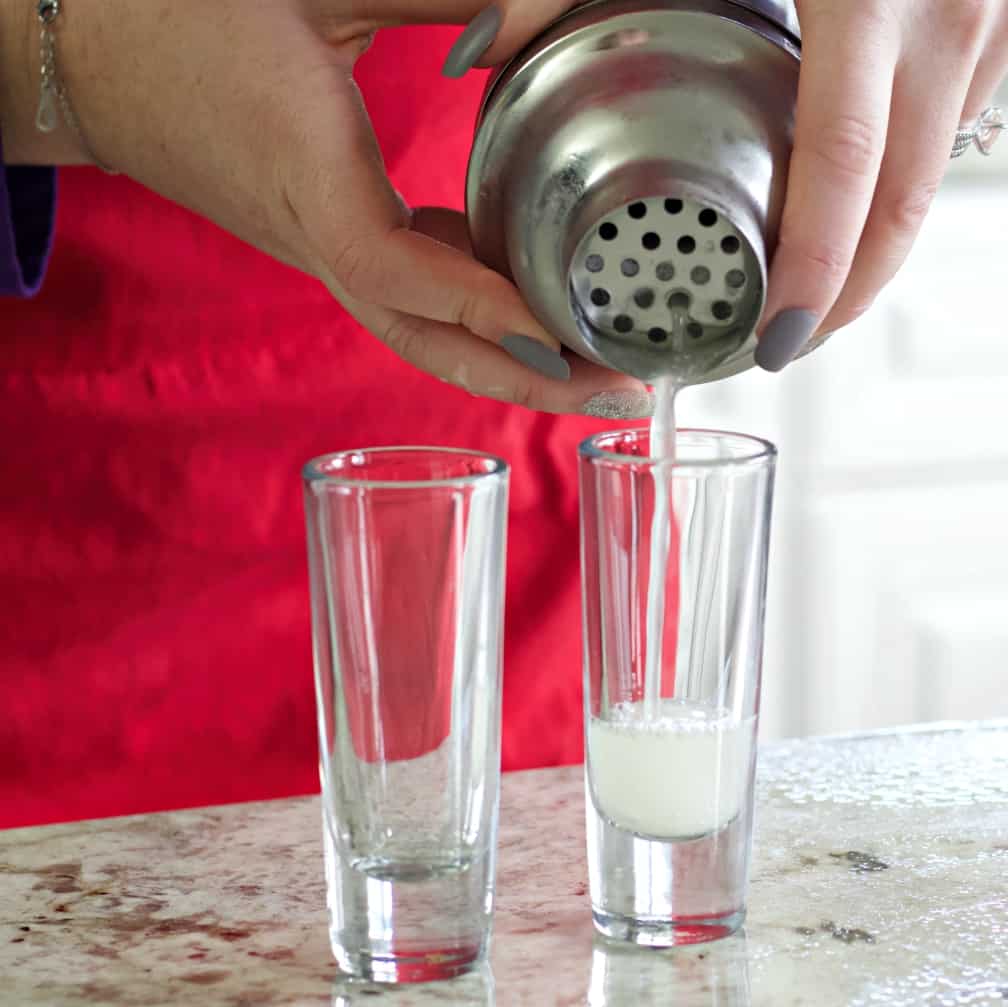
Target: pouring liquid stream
[662, 445]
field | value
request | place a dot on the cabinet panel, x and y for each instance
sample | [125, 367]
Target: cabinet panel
[902, 585]
[889, 561]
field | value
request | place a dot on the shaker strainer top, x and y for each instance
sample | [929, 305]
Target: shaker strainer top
[629, 172]
[667, 272]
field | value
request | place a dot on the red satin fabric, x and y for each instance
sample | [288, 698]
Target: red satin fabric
[158, 400]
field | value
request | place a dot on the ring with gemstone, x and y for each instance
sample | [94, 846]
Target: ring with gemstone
[982, 133]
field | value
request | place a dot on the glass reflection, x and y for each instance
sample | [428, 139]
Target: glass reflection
[706, 975]
[474, 989]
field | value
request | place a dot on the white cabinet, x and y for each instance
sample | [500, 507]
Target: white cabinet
[889, 563]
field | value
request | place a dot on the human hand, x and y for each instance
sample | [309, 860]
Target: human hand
[248, 114]
[884, 86]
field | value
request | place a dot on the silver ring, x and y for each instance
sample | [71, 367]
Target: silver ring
[982, 133]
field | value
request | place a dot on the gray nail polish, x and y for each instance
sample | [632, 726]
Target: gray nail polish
[541, 358]
[620, 406]
[473, 42]
[784, 337]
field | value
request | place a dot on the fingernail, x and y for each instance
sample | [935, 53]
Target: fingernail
[784, 337]
[541, 358]
[620, 406]
[477, 37]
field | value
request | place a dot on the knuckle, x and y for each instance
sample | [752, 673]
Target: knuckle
[480, 301]
[860, 308]
[468, 311]
[849, 145]
[831, 261]
[352, 267]
[877, 15]
[906, 209]
[968, 20]
[850, 314]
[525, 395]
[405, 337]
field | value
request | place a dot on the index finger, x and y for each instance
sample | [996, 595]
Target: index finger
[517, 20]
[850, 52]
[499, 30]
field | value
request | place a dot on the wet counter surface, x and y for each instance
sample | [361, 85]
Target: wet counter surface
[880, 878]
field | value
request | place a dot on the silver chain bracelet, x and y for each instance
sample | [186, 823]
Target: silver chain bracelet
[52, 92]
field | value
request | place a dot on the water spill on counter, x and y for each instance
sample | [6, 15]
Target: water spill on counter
[887, 856]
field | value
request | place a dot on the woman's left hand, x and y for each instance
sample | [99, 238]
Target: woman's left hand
[885, 84]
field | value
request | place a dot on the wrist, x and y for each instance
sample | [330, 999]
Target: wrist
[21, 89]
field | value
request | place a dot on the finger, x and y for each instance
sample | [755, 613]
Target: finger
[844, 94]
[927, 104]
[366, 251]
[415, 274]
[494, 31]
[991, 71]
[499, 30]
[456, 356]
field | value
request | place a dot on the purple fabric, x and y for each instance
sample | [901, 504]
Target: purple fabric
[27, 214]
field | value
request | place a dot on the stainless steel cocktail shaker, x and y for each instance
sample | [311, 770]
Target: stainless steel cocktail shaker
[628, 173]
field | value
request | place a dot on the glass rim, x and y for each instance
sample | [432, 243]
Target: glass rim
[762, 450]
[312, 472]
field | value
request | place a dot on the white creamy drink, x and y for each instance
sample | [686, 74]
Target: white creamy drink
[681, 774]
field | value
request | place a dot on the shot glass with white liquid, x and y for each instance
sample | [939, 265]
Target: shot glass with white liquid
[674, 556]
[406, 551]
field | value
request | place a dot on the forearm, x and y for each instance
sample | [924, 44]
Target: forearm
[20, 80]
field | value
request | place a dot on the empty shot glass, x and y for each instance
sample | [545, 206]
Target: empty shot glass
[406, 553]
[674, 563]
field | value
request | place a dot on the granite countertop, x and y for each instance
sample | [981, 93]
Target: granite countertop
[880, 878]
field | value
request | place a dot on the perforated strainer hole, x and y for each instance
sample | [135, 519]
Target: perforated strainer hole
[647, 278]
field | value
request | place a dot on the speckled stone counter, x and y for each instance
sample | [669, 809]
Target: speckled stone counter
[880, 878]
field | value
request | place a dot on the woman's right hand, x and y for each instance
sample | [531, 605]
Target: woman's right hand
[248, 114]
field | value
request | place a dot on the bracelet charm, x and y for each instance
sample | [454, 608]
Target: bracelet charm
[53, 98]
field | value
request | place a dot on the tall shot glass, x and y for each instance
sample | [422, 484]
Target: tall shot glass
[670, 754]
[406, 552]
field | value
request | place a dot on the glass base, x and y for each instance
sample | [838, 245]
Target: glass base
[415, 967]
[667, 933]
[396, 921]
